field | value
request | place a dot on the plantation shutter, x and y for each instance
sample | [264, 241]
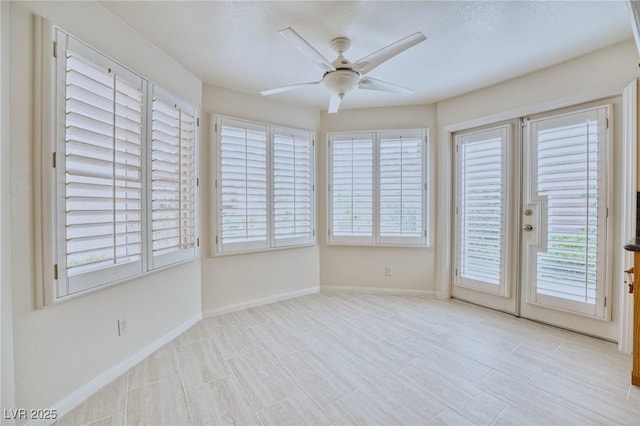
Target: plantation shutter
[402, 188]
[242, 186]
[292, 187]
[570, 159]
[351, 188]
[481, 209]
[99, 168]
[173, 180]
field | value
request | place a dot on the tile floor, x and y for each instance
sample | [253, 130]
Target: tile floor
[372, 360]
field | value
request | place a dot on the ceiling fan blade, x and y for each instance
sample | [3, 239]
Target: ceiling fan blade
[368, 63]
[287, 88]
[334, 104]
[369, 83]
[307, 49]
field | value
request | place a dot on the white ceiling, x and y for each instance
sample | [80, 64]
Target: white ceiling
[469, 45]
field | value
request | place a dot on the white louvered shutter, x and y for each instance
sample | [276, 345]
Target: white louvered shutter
[351, 188]
[569, 153]
[481, 209]
[99, 169]
[242, 186]
[292, 187]
[173, 180]
[402, 186]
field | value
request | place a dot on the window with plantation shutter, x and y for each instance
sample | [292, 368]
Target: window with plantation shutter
[100, 172]
[242, 185]
[292, 187]
[264, 186]
[173, 180]
[378, 188]
[351, 187]
[119, 173]
[401, 182]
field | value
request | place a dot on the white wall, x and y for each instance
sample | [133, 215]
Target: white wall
[413, 268]
[7, 387]
[229, 280]
[598, 75]
[62, 347]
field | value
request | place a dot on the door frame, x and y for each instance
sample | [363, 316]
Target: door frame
[446, 198]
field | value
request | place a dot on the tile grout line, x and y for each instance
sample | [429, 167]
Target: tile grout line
[126, 398]
[244, 395]
[184, 389]
[498, 416]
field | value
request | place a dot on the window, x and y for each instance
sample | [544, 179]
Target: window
[113, 149]
[352, 188]
[264, 186]
[377, 188]
[243, 186]
[292, 187]
[174, 179]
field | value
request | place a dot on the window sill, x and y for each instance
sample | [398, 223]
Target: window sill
[145, 274]
[261, 250]
[386, 245]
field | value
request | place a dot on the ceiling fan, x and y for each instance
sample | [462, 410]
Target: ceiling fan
[342, 75]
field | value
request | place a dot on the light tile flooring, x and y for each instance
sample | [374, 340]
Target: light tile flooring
[370, 360]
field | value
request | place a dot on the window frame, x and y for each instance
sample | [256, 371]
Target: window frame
[52, 279]
[376, 240]
[217, 247]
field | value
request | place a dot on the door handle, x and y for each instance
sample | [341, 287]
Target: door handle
[527, 228]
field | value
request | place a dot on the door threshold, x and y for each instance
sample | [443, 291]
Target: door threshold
[536, 321]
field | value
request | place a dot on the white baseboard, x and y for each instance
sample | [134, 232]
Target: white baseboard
[87, 390]
[260, 301]
[377, 290]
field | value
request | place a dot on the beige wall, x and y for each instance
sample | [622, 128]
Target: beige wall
[64, 346]
[601, 73]
[7, 387]
[233, 279]
[413, 268]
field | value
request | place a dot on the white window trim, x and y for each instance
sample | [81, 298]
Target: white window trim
[46, 183]
[375, 240]
[216, 200]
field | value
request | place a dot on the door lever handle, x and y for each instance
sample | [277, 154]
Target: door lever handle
[527, 228]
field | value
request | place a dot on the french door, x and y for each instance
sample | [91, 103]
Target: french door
[531, 224]
[487, 254]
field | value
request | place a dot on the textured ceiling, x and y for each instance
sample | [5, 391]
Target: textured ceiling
[469, 44]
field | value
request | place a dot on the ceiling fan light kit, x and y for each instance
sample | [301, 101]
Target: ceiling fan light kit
[341, 81]
[341, 76]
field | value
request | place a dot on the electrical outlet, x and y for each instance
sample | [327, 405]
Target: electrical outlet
[388, 271]
[122, 326]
